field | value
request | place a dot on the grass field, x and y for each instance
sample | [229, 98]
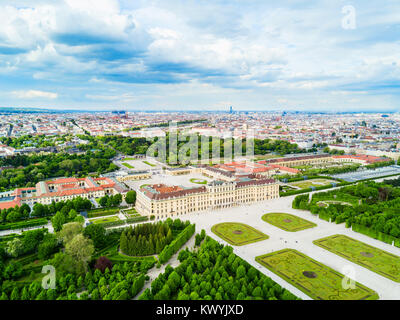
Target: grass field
[102, 212]
[374, 259]
[198, 181]
[130, 159]
[104, 220]
[238, 234]
[288, 222]
[311, 183]
[128, 165]
[149, 164]
[315, 279]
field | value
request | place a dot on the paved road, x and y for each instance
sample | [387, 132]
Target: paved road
[173, 262]
[19, 231]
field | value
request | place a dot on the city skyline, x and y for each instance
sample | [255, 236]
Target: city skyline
[314, 56]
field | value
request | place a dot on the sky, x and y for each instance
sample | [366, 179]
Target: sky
[311, 55]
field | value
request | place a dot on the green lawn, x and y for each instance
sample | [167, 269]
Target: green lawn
[102, 212]
[288, 222]
[128, 165]
[131, 211]
[315, 279]
[149, 164]
[104, 220]
[312, 183]
[112, 253]
[198, 181]
[238, 234]
[374, 259]
[129, 159]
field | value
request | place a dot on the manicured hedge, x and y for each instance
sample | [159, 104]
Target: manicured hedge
[375, 234]
[24, 224]
[176, 244]
[9, 237]
[137, 219]
[102, 213]
[113, 223]
[138, 285]
[329, 186]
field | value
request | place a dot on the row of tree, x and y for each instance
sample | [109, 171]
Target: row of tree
[110, 201]
[15, 214]
[122, 281]
[213, 273]
[39, 210]
[131, 146]
[27, 170]
[376, 207]
[145, 239]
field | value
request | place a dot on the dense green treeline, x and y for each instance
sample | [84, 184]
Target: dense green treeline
[80, 258]
[124, 281]
[40, 210]
[61, 213]
[26, 171]
[213, 272]
[177, 243]
[393, 182]
[163, 238]
[145, 239]
[131, 146]
[37, 141]
[371, 208]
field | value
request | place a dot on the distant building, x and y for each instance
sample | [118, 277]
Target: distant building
[164, 201]
[46, 192]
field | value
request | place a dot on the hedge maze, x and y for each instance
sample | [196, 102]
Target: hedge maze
[315, 279]
[374, 259]
[288, 222]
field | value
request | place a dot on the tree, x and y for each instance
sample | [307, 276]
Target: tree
[14, 294]
[39, 210]
[95, 294]
[81, 250]
[72, 214]
[3, 296]
[69, 231]
[63, 263]
[97, 233]
[116, 200]
[25, 294]
[102, 264]
[103, 201]
[15, 247]
[34, 290]
[48, 246]
[240, 272]
[57, 221]
[130, 197]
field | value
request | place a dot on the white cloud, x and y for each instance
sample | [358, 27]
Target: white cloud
[257, 53]
[33, 94]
